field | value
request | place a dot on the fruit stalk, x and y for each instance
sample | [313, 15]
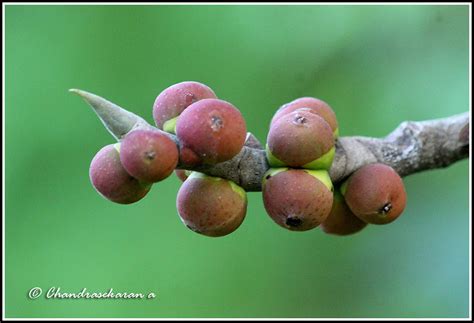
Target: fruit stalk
[412, 147]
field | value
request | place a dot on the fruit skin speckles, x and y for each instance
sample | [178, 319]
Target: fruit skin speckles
[300, 139]
[111, 180]
[212, 130]
[148, 155]
[297, 199]
[375, 193]
[313, 105]
[172, 101]
[211, 206]
[341, 220]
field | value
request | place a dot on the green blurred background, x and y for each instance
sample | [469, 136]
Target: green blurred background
[376, 65]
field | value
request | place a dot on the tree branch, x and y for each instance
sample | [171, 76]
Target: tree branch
[412, 147]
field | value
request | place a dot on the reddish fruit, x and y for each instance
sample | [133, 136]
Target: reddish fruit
[341, 221]
[173, 100]
[148, 155]
[297, 199]
[210, 131]
[211, 206]
[375, 193]
[301, 139]
[112, 181]
[312, 105]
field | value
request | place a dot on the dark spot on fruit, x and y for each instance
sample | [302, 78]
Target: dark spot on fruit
[216, 123]
[386, 208]
[268, 176]
[300, 120]
[293, 222]
[150, 155]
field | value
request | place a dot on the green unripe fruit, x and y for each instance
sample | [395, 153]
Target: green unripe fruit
[148, 155]
[112, 181]
[300, 139]
[375, 193]
[313, 105]
[297, 199]
[341, 221]
[210, 131]
[170, 125]
[211, 206]
[172, 101]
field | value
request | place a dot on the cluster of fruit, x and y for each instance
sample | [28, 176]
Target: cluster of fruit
[208, 131]
[297, 191]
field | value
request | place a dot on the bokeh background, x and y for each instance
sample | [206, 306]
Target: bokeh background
[376, 65]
